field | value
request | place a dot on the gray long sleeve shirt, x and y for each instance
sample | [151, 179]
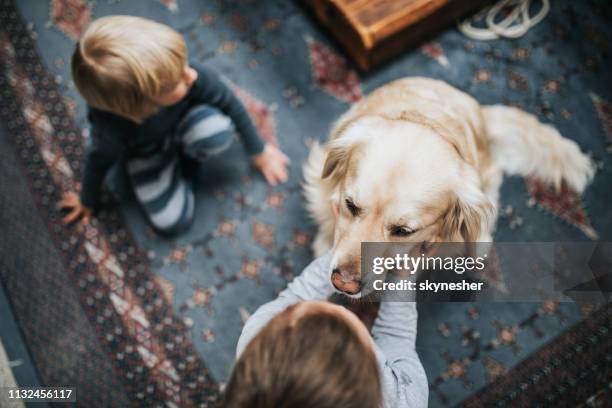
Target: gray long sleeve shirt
[394, 333]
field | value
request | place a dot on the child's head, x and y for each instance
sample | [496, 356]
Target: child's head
[128, 65]
[314, 354]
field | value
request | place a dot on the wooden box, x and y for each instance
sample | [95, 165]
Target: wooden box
[372, 31]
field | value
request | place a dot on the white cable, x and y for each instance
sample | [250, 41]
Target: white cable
[514, 25]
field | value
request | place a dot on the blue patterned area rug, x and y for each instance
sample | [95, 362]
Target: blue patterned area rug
[160, 317]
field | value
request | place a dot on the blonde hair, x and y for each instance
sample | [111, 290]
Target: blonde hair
[122, 63]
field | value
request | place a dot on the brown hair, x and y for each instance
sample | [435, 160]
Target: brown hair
[314, 360]
[122, 63]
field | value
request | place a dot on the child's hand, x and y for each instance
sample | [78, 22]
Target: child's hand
[72, 202]
[272, 163]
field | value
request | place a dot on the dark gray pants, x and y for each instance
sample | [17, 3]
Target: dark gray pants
[158, 181]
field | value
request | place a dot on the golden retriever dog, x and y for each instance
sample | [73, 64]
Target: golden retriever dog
[420, 161]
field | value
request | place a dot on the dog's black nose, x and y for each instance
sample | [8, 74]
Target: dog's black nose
[345, 282]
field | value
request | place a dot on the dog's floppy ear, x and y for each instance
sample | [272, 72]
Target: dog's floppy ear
[344, 144]
[469, 217]
[339, 152]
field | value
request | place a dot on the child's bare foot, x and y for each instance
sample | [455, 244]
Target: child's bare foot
[272, 163]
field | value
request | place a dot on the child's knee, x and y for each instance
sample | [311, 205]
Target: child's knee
[176, 215]
[205, 131]
[177, 227]
[203, 149]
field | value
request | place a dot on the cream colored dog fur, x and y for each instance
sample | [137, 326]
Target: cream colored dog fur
[418, 160]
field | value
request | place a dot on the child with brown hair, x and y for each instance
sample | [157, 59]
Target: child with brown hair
[151, 109]
[301, 351]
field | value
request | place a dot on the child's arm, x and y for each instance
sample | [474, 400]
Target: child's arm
[394, 333]
[269, 160]
[312, 284]
[100, 155]
[210, 89]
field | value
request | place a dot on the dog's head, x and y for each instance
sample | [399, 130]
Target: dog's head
[399, 181]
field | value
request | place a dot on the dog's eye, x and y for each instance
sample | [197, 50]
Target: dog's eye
[400, 231]
[353, 209]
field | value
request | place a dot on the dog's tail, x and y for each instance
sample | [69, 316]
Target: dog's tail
[521, 145]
